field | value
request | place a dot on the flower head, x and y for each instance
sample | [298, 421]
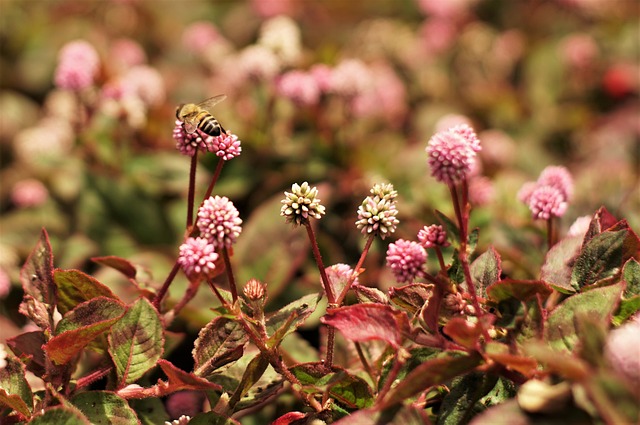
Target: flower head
[299, 87]
[255, 290]
[432, 236]
[377, 213]
[339, 275]
[29, 193]
[219, 221]
[78, 64]
[225, 146]
[197, 257]
[406, 259]
[546, 202]
[622, 352]
[452, 153]
[558, 177]
[189, 143]
[301, 204]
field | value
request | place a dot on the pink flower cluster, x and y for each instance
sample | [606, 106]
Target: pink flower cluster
[197, 257]
[225, 146]
[406, 259]
[300, 87]
[432, 236]
[78, 65]
[219, 222]
[452, 153]
[549, 196]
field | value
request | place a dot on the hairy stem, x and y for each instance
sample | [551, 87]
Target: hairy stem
[356, 270]
[232, 280]
[165, 286]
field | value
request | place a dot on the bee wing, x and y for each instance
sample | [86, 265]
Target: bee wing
[189, 126]
[208, 104]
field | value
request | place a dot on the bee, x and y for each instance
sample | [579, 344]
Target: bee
[198, 116]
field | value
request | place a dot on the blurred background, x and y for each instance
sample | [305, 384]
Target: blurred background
[342, 94]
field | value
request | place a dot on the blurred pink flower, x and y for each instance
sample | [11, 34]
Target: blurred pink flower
[146, 83]
[432, 236]
[579, 50]
[299, 87]
[200, 35]
[5, 283]
[255, 290]
[219, 221]
[406, 259]
[481, 191]
[51, 138]
[225, 146]
[126, 53]
[622, 350]
[269, 8]
[498, 148]
[437, 35]
[386, 96]
[451, 154]
[78, 65]
[187, 403]
[29, 193]
[257, 62]
[189, 143]
[559, 177]
[198, 258]
[350, 78]
[281, 35]
[322, 75]
[445, 8]
[546, 202]
[524, 194]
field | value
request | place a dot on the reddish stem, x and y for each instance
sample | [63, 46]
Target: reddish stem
[214, 179]
[192, 185]
[165, 286]
[356, 270]
[232, 281]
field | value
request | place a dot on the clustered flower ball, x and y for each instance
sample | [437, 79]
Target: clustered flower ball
[433, 236]
[189, 143]
[377, 213]
[197, 257]
[452, 153]
[78, 66]
[549, 196]
[301, 204]
[219, 222]
[225, 146]
[406, 259]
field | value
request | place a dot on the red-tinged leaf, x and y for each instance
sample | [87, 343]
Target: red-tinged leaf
[105, 408]
[82, 325]
[136, 341]
[120, 264]
[366, 322]
[61, 415]
[432, 372]
[558, 263]
[431, 313]
[290, 418]
[521, 290]
[37, 273]
[180, 380]
[501, 353]
[28, 346]
[366, 294]
[562, 363]
[463, 332]
[15, 391]
[411, 297]
[602, 220]
[219, 343]
[598, 303]
[486, 270]
[75, 287]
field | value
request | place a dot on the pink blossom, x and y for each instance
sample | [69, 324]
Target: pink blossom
[558, 177]
[5, 283]
[451, 120]
[339, 274]
[406, 259]
[257, 62]
[350, 77]
[622, 350]
[29, 193]
[199, 36]
[254, 290]
[437, 35]
[219, 221]
[579, 50]
[187, 403]
[189, 143]
[445, 9]
[299, 87]
[269, 8]
[146, 83]
[452, 154]
[498, 148]
[384, 98]
[432, 236]
[126, 53]
[524, 194]
[281, 35]
[198, 257]
[322, 75]
[225, 146]
[546, 202]
[78, 65]
[481, 191]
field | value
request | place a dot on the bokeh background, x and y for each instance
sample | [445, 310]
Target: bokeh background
[340, 93]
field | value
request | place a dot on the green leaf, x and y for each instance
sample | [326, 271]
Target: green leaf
[105, 408]
[449, 225]
[219, 343]
[37, 273]
[15, 391]
[432, 372]
[456, 271]
[75, 287]
[461, 404]
[136, 342]
[60, 416]
[603, 257]
[598, 303]
[351, 391]
[631, 275]
[627, 308]
[485, 270]
[150, 411]
[82, 325]
[289, 318]
[557, 267]
[252, 374]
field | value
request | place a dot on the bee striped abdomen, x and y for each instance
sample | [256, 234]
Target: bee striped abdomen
[208, 124]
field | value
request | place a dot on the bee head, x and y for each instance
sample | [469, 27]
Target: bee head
[178, 109]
